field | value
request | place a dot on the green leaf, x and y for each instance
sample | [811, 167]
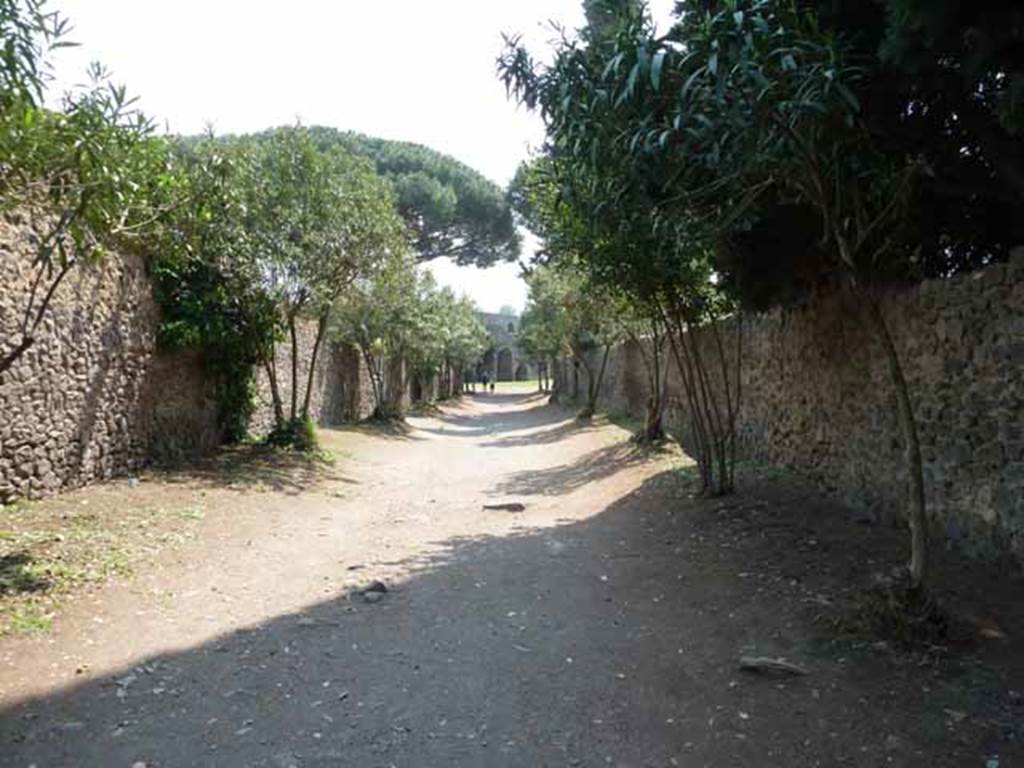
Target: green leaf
[848, 96]
[657, 62]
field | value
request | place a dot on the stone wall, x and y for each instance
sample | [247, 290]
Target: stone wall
[817, 398]
[91, 398]
[180, 409]
[341, 385]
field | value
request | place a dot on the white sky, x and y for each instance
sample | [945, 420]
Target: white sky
[414, 70]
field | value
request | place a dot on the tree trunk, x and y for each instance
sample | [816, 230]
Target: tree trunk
[376, 380]
[697, 428]
[652, 430]
[275, 392]
[917, 514]
[321, 328]
[31, 323]
[295, 365]
[395, 383]
[712, 433]
[594, 384]
[581, 362]
[11, 357]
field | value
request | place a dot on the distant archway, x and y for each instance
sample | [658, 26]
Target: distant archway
[505, 365]
[522, 372]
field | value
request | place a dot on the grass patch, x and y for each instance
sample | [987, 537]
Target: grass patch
[28, 620]
[52, 548]
[194, 512]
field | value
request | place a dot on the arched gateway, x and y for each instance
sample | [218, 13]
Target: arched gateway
[504, 361]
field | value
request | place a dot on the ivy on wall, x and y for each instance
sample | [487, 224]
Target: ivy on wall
[201, 309]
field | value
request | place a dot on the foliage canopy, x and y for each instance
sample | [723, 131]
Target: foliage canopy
[452, 210]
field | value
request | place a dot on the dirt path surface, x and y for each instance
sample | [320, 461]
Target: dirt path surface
[600, 626]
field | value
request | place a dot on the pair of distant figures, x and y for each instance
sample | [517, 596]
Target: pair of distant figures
[487, 382]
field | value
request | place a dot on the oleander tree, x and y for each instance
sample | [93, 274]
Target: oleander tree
[552, 209]
[210, 291]
[87, 175]
[316, 221]
[846, 130]
[379, 315]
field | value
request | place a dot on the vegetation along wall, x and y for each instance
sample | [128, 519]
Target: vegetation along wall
[817, 397]
[94, 398]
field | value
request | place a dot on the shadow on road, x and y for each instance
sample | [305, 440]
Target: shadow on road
[608, 641]
[565, 478]
[248, 466]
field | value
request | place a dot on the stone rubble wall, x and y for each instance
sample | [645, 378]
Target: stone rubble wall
[92, 398]
[817, 398]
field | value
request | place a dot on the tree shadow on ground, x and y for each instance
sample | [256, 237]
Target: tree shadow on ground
[610, 640]
[565, 478]
[249, 466]
[565, 426]
[394, 429]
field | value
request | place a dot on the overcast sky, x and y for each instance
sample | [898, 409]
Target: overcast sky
[401, 69]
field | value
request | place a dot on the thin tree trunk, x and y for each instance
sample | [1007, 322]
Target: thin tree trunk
[594, 384]
[376, 383]
[653, 428]
[713, 416]
[917, 514]
[28, 330]
[676, 334]
[275, 392]
[710, 437]
[581, 361]
[739, 392]
[295, 365]
[698, 429]
[321, 328]
[11, 357]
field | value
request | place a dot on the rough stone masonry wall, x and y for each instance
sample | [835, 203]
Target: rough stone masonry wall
[817, 398]
[341, 385]
[92, 398]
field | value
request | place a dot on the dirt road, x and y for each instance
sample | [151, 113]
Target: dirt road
[600, 626]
